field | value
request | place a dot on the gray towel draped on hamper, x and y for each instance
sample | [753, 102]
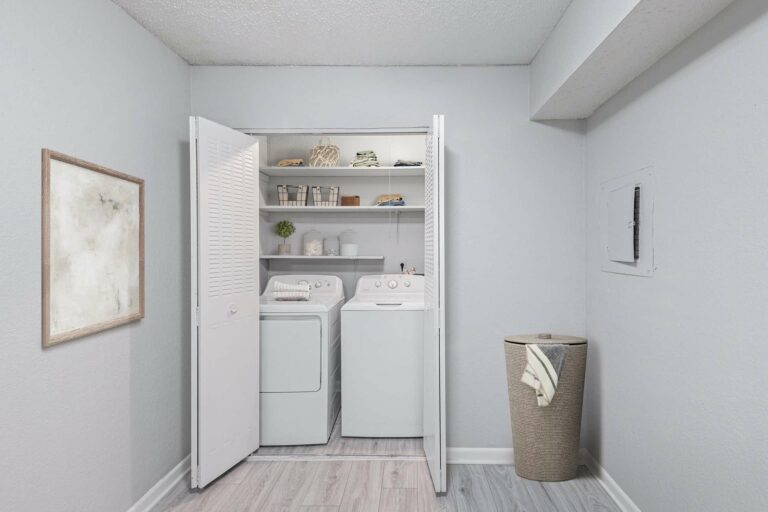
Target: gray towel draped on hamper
[546, 439]
[542, 369]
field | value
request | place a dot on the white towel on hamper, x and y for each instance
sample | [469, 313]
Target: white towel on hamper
[542, 370]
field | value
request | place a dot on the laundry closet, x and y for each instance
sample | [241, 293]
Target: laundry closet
[366, 263]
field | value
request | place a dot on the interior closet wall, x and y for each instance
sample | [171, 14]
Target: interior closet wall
[514, 195]
[676, 394]
[91, 424]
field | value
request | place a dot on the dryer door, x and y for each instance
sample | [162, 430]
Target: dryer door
[291, 350]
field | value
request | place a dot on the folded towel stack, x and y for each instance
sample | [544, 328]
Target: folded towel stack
[542, 370]
[365, 159]
[286, 291]
[291, 162]
[390, 200]
[407, 163]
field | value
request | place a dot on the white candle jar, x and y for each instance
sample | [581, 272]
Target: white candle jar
[349, 245]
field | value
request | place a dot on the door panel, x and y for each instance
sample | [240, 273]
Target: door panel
[434, 314]
[225, 344]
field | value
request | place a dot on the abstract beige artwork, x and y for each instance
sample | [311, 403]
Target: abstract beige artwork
[93, 248]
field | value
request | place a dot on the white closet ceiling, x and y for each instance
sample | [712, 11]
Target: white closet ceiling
[350, 32]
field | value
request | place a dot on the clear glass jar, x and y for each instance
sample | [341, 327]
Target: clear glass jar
[313, 243]
[331, 246]
[348, 240]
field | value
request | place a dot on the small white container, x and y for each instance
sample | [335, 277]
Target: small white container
[313, 243]
[349, 245]
[331, 246]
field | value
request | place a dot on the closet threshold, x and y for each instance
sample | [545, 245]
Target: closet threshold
[333, 458]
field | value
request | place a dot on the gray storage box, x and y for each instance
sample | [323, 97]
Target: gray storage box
[546, 439]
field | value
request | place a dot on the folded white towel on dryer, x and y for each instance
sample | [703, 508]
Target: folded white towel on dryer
[280, 286]
[291, 295]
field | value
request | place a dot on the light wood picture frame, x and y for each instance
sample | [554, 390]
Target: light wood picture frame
[92, 248]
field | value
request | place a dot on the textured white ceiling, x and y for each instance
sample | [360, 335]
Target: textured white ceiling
[350, 32]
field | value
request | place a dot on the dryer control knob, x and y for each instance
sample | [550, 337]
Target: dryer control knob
[392, 284]
[318, 284]
[407, 284]
[378, 284]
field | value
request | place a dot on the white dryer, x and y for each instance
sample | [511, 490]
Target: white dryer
[382, 358]
[300, 362]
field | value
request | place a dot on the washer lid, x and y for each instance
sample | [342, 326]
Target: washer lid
[544, 338]
[317, 304]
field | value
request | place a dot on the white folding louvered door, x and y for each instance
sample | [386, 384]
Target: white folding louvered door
[434, 300]
[225, 298]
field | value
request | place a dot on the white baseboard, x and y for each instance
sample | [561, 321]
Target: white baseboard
[613, 489]
[162, 487]
[480, 456]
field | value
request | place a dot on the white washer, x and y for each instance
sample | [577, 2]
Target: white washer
[300, 362]
[382, 357]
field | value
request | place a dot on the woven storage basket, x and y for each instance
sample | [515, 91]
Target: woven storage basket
[546, 439]
[324, 154]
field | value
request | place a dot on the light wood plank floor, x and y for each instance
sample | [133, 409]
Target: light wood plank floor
[337, 445]
[383, 486]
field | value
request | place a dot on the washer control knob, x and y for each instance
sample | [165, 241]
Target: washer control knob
[318, 284]
[378, 284]
[392, 284]
[407, 284]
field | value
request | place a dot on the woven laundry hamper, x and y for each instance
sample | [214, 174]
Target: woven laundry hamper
[546, 439]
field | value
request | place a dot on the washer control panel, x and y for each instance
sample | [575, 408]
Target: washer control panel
[383, 285]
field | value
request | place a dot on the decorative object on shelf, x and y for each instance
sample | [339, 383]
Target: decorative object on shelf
[313, 243]
[324, 154]
[348, 241]
[350, 200]
[331, 246]
[291, 162]
[390, 200]
[284, 229]
[92, 248]
[292, 195]
[365, 158]
[408, 163]
[332, 197]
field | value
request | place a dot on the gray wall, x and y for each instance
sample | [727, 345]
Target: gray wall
[515, 201]
[676, 400]
[92, 424]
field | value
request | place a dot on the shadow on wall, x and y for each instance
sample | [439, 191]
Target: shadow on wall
[185, 263]
[160, 363]
[592, 410]
[450, 320]
[730, 21]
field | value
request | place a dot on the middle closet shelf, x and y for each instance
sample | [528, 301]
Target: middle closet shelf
[340, 209]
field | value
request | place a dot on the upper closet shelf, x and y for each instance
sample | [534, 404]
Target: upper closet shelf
[337, 209]
[342, 171]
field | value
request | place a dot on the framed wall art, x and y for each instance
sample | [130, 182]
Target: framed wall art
[92, 248]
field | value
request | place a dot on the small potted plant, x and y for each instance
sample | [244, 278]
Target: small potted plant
[284, 229]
